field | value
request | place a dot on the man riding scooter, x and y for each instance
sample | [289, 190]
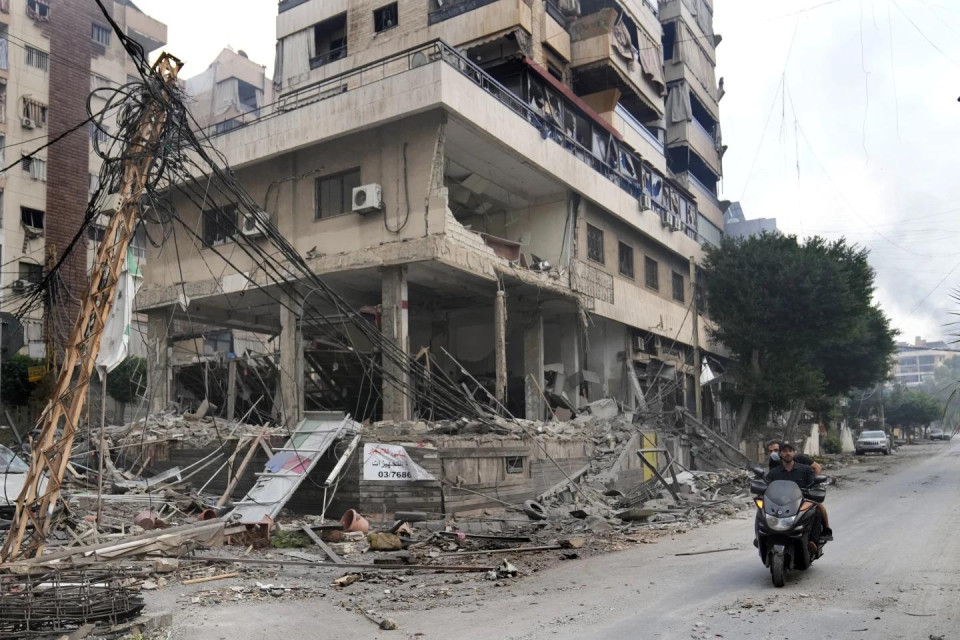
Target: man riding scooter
[804, 476]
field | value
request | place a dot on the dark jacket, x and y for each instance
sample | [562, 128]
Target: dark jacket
[802, 474]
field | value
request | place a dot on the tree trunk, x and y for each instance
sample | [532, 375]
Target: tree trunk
[744, 412]
[796, 412]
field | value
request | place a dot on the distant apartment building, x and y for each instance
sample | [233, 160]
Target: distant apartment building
[735, 223]
[430, 159]
[916, 363]
[53, 53]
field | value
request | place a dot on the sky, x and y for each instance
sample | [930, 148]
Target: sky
[841, 117]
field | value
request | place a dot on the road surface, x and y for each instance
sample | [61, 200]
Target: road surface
[892, 572]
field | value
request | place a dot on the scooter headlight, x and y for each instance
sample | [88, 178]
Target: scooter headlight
[780, 524]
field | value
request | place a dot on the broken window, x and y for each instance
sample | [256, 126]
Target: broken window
[36, 167]
[98, 82]
[335, 193]
[385, 17]
[514, 464]
[38, 9]
[626, 260]
[219, 225]
[247, 95]
[96, 233]
[651, 273]
[36, 58]
[32, 218]
[669, 39]
[329, 41]
[555, 71]
[99, 134]
[31, 272]
[677, 287]
[100, 34]
[33, 113]
[594, 244]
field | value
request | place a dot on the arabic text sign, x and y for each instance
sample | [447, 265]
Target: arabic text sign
[390, 462]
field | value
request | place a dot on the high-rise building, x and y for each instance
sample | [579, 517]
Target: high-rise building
[52, 55]
[436, 161]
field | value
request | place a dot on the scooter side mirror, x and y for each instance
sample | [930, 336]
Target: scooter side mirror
[758, 487]
[758, 472]
[821, 479]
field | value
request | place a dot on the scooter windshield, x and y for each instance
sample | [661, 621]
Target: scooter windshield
[782, 493]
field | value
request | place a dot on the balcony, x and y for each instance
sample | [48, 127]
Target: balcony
[597, 48]
[641, 139]
[148, 33]
[337, 53]
[616, 163]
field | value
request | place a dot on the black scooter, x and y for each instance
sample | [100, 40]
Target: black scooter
[786, 520]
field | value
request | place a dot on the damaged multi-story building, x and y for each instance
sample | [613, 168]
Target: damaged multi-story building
[54, 56]
[521, 188]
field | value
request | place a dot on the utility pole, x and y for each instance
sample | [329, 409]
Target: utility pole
[59, 422]
[695, 316]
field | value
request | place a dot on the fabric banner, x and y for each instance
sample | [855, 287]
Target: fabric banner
[115, 343]
[391, 462]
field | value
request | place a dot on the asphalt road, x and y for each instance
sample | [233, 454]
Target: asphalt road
[892, 572]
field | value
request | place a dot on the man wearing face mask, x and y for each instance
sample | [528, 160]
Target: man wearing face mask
[773, 448]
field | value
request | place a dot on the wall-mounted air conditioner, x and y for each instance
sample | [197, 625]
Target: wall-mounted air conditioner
[19, 286]
[28, 123]
[367, 198]
[646, 203]
[252, 227]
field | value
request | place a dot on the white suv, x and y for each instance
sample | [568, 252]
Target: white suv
[873, 441]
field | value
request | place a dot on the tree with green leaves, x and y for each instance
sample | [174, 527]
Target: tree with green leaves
[124, 381]
[910, 409]
[799, 319]
[15, 385]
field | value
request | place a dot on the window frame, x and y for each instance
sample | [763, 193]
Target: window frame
[602, 259]
[24, 211]
[679, 286]
[38, 55]
[36, 272]
[511, 468]
[651, 268]
[94, 27]
[219, 212]
[346, 200]
[396, 14]
[620, 253]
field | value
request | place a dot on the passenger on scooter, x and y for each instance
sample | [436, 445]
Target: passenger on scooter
[773, 450]
[805, 476]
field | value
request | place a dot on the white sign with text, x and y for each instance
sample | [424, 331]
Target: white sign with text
[391, 462]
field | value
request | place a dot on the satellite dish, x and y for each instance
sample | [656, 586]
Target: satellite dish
[418, 60]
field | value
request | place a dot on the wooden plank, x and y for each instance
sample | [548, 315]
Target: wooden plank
[323, 545]
[222, 576]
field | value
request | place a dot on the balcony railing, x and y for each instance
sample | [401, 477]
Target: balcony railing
[635, 124]
[629, 172]
[704, 133]
[326, 58]
[704, 189]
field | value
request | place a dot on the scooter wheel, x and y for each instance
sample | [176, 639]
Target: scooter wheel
[777, 570]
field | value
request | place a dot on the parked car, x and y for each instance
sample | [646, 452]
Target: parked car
[938, 434]
[873, 441]
[13, 470]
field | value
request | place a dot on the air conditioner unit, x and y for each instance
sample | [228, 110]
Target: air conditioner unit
[675, 223]
[646, 203]
[367, 198]
[639, 344]
[252, 226]
[19, 286]
[28, 123]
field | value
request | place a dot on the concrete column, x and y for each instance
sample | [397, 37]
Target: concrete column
[159, 374]
[500, 345]
[533, 366]
[570, 354]
[395, 322]
[291, 362]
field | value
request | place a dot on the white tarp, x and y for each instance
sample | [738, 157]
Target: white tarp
[391, 462]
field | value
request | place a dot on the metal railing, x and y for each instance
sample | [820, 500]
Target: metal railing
[702, 188]
[636, 125]
[338, 53]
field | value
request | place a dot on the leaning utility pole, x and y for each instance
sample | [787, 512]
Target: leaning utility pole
[59, 421]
